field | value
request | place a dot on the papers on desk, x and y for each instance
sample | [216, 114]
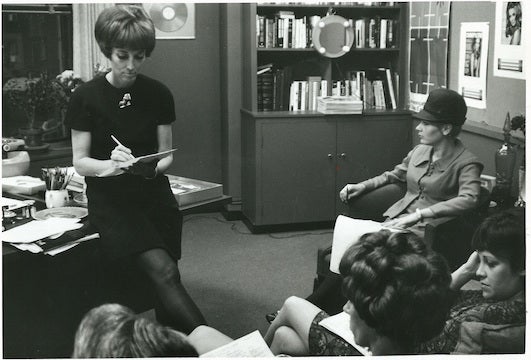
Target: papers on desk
[250, 345]
[340, 325]
[39, 229]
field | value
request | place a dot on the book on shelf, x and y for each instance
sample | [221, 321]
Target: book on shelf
[189, 191]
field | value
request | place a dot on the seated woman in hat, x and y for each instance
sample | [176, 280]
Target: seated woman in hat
[442, 178]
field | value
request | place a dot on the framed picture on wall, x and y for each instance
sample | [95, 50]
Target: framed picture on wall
[473, 55]
[172, 20]
[509, 39]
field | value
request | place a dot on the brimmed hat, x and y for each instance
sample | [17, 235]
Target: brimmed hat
[444, 107]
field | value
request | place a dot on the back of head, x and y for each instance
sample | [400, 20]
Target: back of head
[398, 286]
[113, 330]
[503, 234]
[124, 26]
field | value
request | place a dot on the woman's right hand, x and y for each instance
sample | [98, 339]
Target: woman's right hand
[350, 191]
[121, 154]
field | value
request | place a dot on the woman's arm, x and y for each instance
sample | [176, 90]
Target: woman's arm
[466, 199]
[86, 165]
[398, 174]
[515, 39]
[465, 273]
[165, 140]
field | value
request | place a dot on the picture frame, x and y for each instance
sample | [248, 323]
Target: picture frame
[509, 39]
[172, 20]
[473, 55]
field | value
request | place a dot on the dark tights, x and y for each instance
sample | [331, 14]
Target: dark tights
[328, 295]
[177, 309]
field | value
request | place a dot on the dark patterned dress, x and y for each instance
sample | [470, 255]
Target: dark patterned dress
[472, 311]
[505, 318]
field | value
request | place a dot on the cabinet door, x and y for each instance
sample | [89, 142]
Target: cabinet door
[297, 170]
[369, 145]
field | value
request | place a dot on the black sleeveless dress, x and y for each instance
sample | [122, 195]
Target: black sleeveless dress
[132, 214]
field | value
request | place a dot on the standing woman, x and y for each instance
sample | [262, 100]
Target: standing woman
[134, 209]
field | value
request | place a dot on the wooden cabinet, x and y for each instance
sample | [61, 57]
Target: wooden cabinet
[295, 165]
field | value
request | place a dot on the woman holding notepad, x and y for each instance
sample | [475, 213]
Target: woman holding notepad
[115, 119]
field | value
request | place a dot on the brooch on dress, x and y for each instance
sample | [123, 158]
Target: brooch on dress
[126, 101]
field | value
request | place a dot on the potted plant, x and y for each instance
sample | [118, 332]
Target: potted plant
[65, 83]
[34, 96]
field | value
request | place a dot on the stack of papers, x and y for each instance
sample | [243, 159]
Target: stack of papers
[339, 105]
[23, 185]
[27, 236]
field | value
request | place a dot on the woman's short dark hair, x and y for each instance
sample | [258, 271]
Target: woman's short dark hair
[398, 287]
[127, 27]
[113, 330]
[503, 234]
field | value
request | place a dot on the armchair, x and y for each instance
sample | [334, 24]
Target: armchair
[450, 236]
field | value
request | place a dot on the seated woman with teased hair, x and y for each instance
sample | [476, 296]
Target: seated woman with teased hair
[398, 296]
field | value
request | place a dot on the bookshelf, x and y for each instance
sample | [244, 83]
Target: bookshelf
[294, 163]
[262, 46]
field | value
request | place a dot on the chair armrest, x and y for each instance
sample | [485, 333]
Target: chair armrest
[371, 205]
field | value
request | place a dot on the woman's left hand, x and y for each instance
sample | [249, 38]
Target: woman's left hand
[146, 170]
[402, 222]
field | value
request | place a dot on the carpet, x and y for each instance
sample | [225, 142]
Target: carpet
[236, 277]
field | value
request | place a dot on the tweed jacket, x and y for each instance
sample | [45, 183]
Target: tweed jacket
[448, 186]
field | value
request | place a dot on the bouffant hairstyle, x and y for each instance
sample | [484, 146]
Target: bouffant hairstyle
[398, 287]
[509, 29]
[127, 27]
[113, 330]
[503, 234]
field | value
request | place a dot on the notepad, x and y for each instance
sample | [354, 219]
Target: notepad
[250, 345]
[339, 324]
[145, 158]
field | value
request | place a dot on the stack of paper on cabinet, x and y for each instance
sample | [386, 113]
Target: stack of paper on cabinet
[188, 191]
[339, 105]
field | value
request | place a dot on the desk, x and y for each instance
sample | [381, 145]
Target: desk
[45, 297]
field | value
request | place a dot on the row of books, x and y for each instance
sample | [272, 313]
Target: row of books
[288, 32]
[375, 89]
[285, 30]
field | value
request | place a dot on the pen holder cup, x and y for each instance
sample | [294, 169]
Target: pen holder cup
[56, 198]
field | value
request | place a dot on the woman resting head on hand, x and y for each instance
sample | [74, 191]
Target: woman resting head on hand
[490, 320]
[398, 296]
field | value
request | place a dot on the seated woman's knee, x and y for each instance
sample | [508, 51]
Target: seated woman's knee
[292, 303]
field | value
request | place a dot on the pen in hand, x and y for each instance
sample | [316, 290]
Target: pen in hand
[120, 144]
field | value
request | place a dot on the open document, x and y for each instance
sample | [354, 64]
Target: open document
[340, 325]
[347, 232]
[250, 345]
[145, 158]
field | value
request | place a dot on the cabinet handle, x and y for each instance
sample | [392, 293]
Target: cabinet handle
[330, 156]
[342, 155]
